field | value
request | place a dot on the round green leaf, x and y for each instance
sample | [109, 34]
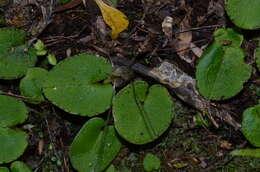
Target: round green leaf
[4, 169]
[151, 162]
[15, 58]
[145, 112]
[94, 148]
[221, 72]
[251, 125]
[12, 144]
[228, 37]
[12, 111]
[75, 85]
[31, 85]
[244, 13]
[19, 166]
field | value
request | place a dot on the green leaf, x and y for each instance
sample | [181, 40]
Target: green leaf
[75, 85]
[228, 36]
[15, 58]
[251, 125]
[246, 152]
[12, 111]
[94, 148]
[145, 112]
[200, 121]
[11, 38]
[41, 52]
[180, 165]
[151, 162]
[39, 45]
[31, 85]
[4, 169]
[244, 13]
[221, 72]
[12, 145]
[19, 166]
[52, 59]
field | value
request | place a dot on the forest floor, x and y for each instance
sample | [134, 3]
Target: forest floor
[185, 146]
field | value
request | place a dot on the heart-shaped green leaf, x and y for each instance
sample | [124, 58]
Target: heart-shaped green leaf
[142, 114]
[221, 72]
[12, 111]
[251, 125]
[244, 13]
[19, 166]
[12, 144]
[15, 58]
[31, 85]
[94, 147]
[74, 85]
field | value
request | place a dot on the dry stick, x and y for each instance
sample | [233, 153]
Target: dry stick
[23, 98]
[198, 28]
[182, 85]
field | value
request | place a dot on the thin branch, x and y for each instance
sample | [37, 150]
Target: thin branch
[199, 28]
[23, 98]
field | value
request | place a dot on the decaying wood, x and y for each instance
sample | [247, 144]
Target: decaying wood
[184, 87]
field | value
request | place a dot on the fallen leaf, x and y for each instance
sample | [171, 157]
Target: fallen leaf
[167, 27]
[184, 41]
[196, 50]
[113, 18]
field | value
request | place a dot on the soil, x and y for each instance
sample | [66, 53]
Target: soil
[185, 146]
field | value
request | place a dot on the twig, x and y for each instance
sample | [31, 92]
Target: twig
[198, 28]
[23, 98]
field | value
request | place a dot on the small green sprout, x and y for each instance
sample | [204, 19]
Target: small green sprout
[151, 162]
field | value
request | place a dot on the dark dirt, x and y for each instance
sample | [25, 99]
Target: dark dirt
[185, 146]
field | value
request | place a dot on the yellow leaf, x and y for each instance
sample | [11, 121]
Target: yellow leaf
[114, 18]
